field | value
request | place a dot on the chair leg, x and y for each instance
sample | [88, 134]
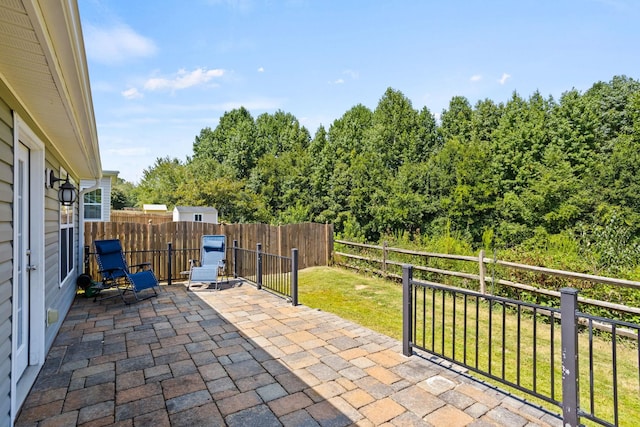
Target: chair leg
[138, 299]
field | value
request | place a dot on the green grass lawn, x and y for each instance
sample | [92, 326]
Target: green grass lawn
[368, 301]
[377, 304]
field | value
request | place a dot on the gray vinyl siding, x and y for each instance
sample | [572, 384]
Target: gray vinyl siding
[56, 297]
[6, 261]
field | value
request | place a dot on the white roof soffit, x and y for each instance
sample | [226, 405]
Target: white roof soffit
[43, 62]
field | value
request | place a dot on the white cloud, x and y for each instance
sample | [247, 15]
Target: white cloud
[476, 78]
[117, 44]
[261, 70]
[504, 78]
[132, 93]
[351, 73]
[183, 79]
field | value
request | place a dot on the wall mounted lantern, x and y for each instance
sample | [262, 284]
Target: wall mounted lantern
[66, 191]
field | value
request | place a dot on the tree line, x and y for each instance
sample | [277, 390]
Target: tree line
[496, 175]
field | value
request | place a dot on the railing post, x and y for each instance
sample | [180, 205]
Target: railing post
[169, 259]
[407, 309]
[86, 260]
[235, 259]
[294, 276]
[483, 271]
[569, 334]
[259, 265]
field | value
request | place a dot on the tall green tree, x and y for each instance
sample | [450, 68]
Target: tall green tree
[456, 121]
[394, 130]
[347, 139]
[122, 194]
[232, 142]
[280, 133]
[158, 183]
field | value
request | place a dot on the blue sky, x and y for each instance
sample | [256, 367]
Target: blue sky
[162, 70]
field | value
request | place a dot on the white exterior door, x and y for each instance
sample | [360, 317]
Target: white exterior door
[22, 297]
[28, 291]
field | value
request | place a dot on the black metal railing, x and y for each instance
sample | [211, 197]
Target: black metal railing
[621, 336]
[532, 348]
[167, 264]
[245, 264]
[276, 273]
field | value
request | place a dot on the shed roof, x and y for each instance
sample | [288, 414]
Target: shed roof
[195, 209]
[151, 207]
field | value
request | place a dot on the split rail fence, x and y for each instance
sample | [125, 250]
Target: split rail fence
[478, 273]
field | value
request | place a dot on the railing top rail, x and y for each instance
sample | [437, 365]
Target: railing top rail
[608, 320]
[281, 257]
[265, 254]
[476, 294]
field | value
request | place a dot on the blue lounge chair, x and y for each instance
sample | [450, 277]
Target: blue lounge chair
[212, 261]
[115, 271]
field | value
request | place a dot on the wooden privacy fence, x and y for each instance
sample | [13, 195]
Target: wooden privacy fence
[313, 241]
[141, 217]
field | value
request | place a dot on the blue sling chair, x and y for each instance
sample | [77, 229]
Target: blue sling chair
[115, 271]
[212, 261]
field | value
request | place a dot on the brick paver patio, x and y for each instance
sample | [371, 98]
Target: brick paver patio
[243, 357]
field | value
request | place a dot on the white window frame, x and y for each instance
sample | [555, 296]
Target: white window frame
[198, 217]
[67, 214]
[100, 205]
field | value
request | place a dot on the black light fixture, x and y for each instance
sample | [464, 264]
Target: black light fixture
[66, 192]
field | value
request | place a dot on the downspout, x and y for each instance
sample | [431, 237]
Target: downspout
[81, 221]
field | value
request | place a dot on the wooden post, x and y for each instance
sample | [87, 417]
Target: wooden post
[483, 271]
[326, 243]
[384, 257]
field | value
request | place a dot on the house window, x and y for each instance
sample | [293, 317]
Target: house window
[93, 205]
[66, 239]
[197, 217]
